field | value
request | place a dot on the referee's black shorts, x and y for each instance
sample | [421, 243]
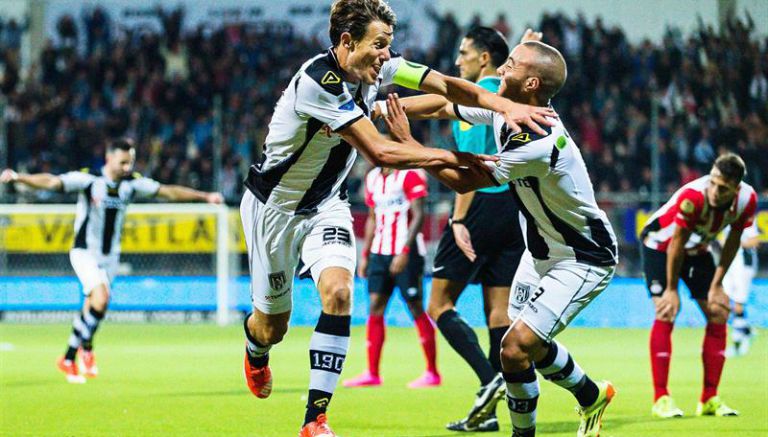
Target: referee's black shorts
[494, 227]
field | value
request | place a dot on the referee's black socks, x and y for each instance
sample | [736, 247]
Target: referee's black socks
[464, 341]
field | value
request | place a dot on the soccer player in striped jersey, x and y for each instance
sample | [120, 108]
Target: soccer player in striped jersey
[296, 204]
[737, 284]
[571, 248]
[676, 245]
[393, 256]
[104, 196]
[481, 244]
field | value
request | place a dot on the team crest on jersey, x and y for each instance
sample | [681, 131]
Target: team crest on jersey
[330, 78]
[464, 126]
[687, 206]
[522, 293]
[277, 280]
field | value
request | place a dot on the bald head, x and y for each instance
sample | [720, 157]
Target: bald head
[549, 65]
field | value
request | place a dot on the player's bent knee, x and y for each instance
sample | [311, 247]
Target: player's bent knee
[512, 354]
[415, 308]
[99, 298]
[718, 313]
[435, 310]
[336, 300]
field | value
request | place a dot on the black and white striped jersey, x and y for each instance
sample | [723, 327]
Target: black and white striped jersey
[305, 164]
[549, 179]
[101, 207]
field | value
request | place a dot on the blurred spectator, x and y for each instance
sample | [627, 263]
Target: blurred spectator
[501, 25]
[167, 89]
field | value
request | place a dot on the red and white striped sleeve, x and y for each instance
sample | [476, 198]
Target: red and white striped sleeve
[689, 205]
[747, 217]
[415, 185]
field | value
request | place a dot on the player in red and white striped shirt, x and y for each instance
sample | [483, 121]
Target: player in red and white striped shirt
[393, 256]
[676, 246]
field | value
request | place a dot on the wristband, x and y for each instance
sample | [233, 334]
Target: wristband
[382, 108]
[406, 250]
[452, 221]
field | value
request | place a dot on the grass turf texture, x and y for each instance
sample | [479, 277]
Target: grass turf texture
[187, 380]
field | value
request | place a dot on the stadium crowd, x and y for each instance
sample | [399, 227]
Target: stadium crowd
[101, 80]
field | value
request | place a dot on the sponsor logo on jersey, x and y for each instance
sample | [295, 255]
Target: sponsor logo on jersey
[522, 137]
[350, 105]
[330, 78]
[277, 281]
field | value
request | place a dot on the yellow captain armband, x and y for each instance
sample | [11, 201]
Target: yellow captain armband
[410, 74]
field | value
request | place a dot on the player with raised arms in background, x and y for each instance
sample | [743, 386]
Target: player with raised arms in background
[393, 256]
[104, 196]
[676, 245]
[571, 247]
[296, 205]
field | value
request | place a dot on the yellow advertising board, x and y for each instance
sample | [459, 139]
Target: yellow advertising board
[165, 232]
[642, 216]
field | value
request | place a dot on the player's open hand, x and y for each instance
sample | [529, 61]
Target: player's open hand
[530, 35]
[397, 121]
[464, 241]
[8, 176]
[398, 264]
[516, 114]
[668, 305]
[214, 198]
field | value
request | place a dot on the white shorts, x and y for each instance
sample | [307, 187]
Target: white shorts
[547, 295]
[738, 279]
[93, 269]
[277, 241]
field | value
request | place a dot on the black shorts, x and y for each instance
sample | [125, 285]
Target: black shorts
[409, 281]
[494, 227]
[697, 272]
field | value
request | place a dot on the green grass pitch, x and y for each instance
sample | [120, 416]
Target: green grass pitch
[187, 381]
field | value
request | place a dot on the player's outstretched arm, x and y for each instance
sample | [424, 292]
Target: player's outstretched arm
[178, 193]
[423, 107]
[403, 151]
[40, 181]
[466, 93]
[471, 171]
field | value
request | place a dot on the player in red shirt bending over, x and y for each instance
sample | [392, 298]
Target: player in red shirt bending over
[393, 256]
[676, 246]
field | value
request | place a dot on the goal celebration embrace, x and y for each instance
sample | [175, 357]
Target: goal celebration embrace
[383, 218]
